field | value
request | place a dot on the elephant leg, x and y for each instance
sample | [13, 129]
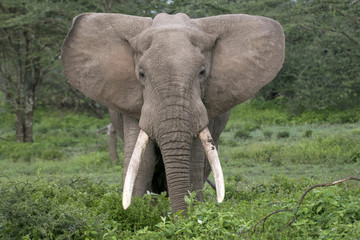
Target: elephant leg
[117, 122]
[113, 145]
[159, 183]
[145, 174]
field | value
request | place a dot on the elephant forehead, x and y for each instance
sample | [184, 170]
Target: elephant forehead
[166, 19]
[173, 34]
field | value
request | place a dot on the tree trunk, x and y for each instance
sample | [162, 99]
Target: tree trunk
[24, 124]
[20, 126]
[29, 126]
[28, 78]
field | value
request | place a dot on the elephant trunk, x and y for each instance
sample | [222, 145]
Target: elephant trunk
[175, 146]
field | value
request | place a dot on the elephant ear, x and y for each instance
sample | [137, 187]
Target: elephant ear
[248, 53]
[98, 59]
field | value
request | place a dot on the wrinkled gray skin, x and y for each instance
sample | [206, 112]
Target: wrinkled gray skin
[171, 76]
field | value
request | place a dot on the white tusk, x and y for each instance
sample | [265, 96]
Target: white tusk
[133, 167]
[213, 157]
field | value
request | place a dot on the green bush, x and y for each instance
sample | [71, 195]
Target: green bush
[71, 209]
[46, 209]
[242, 133]
[76, 208]
[327, 116]
[283, 134]
[267, 134]
[348, 116]
[308, 133]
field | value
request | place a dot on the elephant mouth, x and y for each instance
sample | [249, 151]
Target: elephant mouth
[140, 146]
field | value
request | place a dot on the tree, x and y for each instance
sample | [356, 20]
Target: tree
[31, 34]
[322, 51]
[28, 49]
[323, 46]
[200, 8]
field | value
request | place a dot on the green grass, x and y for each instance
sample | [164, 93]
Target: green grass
[63, 186]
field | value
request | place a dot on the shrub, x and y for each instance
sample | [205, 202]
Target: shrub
[267, 134]
[45, 209]
[322, 116]
[242, 133]
[72, 209]
[76, 208]
[308, 133]
[283, 134]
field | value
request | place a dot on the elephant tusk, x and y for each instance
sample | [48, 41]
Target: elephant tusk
[133, 167]
[213, 157]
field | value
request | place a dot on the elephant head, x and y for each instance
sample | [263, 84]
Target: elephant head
[173, 74]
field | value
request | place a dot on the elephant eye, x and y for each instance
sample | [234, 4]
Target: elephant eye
[141, 74]
[202, 73]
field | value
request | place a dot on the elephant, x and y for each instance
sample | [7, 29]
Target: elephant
[170, 82]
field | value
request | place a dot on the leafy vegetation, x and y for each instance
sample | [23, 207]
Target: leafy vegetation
[77, 208]
[64, 185]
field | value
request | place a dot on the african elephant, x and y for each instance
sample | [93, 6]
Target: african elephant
[171, 82]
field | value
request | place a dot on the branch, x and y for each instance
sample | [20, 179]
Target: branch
[263, 220]
[295, 210]
[332, 30]
[350, 38]
[9, 97]
[91, 107]
[354, 2]
[351, 18]
[5, 90]
[311, 188]
[345, 34]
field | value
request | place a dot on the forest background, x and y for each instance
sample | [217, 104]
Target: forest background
[302, 128]
[321, 70]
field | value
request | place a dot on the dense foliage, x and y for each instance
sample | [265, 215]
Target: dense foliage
[76, 208]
